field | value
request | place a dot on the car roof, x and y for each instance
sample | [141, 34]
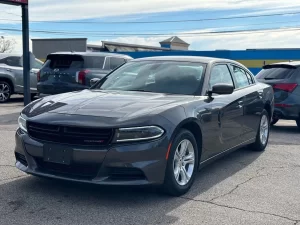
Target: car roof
[182, 58]
[289, 63]
[4, 55]
[92, 54]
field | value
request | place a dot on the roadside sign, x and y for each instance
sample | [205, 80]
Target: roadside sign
[15, 2]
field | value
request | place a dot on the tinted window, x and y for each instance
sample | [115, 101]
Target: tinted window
[250, 78]
[240, 76]
[220, 74]
[275, 72]
[64, 61]
[149, 76]
[115, 62]
[94, 62]
[13, 61]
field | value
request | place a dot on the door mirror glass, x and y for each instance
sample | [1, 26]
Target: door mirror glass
[222, 89]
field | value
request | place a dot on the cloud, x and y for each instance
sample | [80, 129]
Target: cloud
[69, 10]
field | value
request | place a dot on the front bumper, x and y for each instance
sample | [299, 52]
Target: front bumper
[126, 164]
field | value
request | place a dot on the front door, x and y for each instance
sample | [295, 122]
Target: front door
[230, 111]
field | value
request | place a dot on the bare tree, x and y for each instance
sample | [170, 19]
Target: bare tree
[6, 45]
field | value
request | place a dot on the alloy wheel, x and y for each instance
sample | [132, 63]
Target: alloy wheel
[264, 129]
[4, 92]
[184, 162]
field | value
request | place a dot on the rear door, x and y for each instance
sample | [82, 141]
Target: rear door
[14, 66]
[252, 101]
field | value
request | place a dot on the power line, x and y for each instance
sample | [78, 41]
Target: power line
[242, 25]
[158, 21]
[183, 34]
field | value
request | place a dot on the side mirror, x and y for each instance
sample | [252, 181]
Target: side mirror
[94, 81]
[221, 89]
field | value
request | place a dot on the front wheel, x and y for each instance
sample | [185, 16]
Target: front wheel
[182, 164]
[262, 136]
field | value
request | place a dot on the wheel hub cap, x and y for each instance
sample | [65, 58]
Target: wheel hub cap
[264, 129]
[184, 162]
[4, 92]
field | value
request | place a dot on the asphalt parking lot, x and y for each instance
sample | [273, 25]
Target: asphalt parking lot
[243, 188]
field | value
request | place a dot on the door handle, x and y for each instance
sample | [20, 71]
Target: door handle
[8, 70]
[240, 102]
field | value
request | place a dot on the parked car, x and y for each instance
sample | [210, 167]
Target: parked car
[284, 77]
[158, 129]
[73, 71]
[11, 76]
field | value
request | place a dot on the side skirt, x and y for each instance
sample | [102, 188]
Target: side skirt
[226, 152]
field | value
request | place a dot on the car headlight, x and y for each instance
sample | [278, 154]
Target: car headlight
[138, 133]
[22, 123]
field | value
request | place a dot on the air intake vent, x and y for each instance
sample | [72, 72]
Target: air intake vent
[70, 135]
[21, 158]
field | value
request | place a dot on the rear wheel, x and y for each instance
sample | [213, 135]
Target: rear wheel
[263, 133]
[5, 91]
[298, 123]
[182, 164]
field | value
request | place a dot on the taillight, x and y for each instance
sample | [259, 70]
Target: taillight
[285, 87]
[38, 76]
[80, 78]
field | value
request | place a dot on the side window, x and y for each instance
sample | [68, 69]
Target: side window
[115, 62]
[220, 74]
[240, 76]
[3, 61]
[13, 61]
[250, 78]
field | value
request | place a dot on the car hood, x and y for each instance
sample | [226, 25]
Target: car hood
[113, 104]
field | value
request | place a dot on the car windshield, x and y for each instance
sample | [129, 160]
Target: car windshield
[156, 76]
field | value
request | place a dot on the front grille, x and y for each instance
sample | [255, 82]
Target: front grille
[21, 158]
[70, 135]
[75, 170]
[126, 174]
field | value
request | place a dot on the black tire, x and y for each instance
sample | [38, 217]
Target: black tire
[5, 85]
[274, 121]
[32, 97]
[258, 145]
[298, 123]
[171, 186]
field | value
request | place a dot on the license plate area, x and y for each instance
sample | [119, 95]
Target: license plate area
[58, 154]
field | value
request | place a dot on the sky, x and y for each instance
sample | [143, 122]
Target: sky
[140, 22]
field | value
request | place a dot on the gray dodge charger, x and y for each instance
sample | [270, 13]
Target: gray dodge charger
[152, 121]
